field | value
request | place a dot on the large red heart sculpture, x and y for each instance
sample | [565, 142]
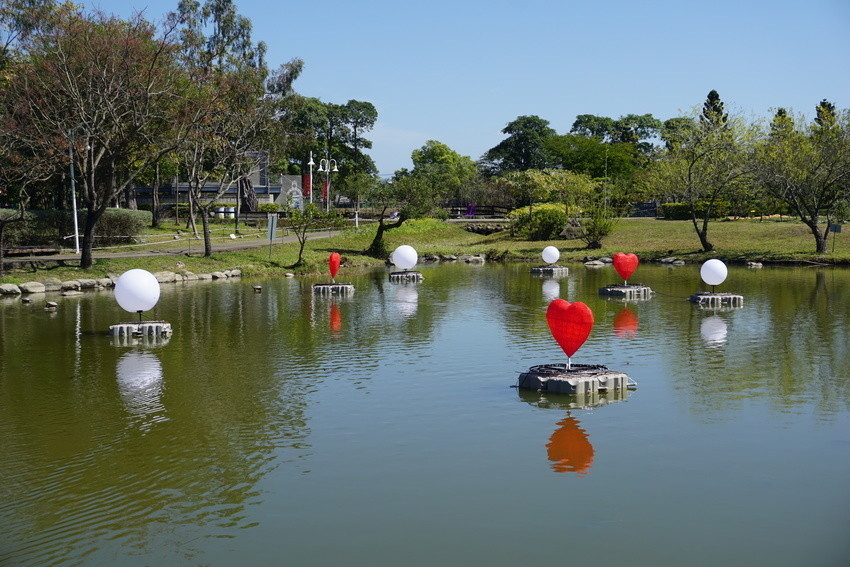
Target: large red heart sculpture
[625, 264]
[333, 263]
[570, 324]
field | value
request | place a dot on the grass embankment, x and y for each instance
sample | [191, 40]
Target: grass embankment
[735, 241]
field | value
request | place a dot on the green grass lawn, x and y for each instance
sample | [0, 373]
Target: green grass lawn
[735, 241]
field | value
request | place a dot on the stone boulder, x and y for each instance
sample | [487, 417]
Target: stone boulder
[9, 289]
[32, 287]
[165, 277]
[52, 284]
[70, 284]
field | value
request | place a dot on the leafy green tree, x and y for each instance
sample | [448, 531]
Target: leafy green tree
[230, 116]
[301, 222]
[628, 129]
[713, 114]
[594, 157]
[704, 162]
[524, 148]
[412, 196]
[592, 126]
[807, 166]
[445, 169]
[333, 131]
[106, 86]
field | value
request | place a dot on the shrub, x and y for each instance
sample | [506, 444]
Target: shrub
[52, 228]
[682, 211]
[268, 208]
[120, 225]
[542, 222]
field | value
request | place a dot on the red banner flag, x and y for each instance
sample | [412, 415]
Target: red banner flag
[306, 187]
[325, 190]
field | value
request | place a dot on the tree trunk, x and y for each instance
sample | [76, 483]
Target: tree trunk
[86, 259]
[249, 195]
[820, 237]
[2, 245]
[205, 223]
[376, 248]
[702, 233]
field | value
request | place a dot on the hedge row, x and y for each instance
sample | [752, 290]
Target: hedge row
[52, 228]
[682, 211]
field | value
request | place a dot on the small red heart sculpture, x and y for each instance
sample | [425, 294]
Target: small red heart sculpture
[570, 324]
[333, 263]
[625, 264]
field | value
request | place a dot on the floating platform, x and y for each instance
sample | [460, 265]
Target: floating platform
[712, 299]
[333, 288]
[406, 276]
[627, 291]
[579, 379]
[551, 270]
[144, 328]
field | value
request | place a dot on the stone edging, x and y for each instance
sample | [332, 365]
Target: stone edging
[76, 287]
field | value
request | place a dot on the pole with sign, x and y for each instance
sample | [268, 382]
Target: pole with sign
[834, 229]
[272, 230]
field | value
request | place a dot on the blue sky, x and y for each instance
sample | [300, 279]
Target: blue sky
[458, 71]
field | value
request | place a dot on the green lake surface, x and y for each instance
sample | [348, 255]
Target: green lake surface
[382, 428]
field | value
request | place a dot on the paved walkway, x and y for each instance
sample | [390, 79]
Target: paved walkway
[193, 247]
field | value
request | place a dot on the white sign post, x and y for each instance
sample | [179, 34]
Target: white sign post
[272, 231]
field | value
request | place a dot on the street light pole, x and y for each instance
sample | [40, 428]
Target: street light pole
[325, 165]
[311, 163]
[73, 194]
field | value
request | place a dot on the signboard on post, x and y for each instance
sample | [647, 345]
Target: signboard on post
[272, 231]
[835, 228]
[272, 225]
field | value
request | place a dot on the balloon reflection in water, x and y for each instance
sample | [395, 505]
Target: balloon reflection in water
[569, 449]
[407, 300]
[140, 386]
[335, 320]
[551, 290]
[625, 323]
[713, 331]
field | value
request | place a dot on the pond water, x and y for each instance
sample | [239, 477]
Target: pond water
[382, 429]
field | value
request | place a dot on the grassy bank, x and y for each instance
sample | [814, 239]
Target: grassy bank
[735, 241]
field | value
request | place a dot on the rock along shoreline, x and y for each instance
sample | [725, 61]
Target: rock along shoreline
[79, 286]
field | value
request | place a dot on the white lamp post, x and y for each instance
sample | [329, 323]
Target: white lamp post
[325, 166]
[73, 194]
[311, 163]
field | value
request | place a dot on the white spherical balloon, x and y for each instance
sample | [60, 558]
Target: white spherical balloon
[136, 290]
[404, 257]
[551, 254]
[713, 272]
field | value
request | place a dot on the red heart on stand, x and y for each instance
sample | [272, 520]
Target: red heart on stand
[625, 264]
[570, 324]
[333, 263]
